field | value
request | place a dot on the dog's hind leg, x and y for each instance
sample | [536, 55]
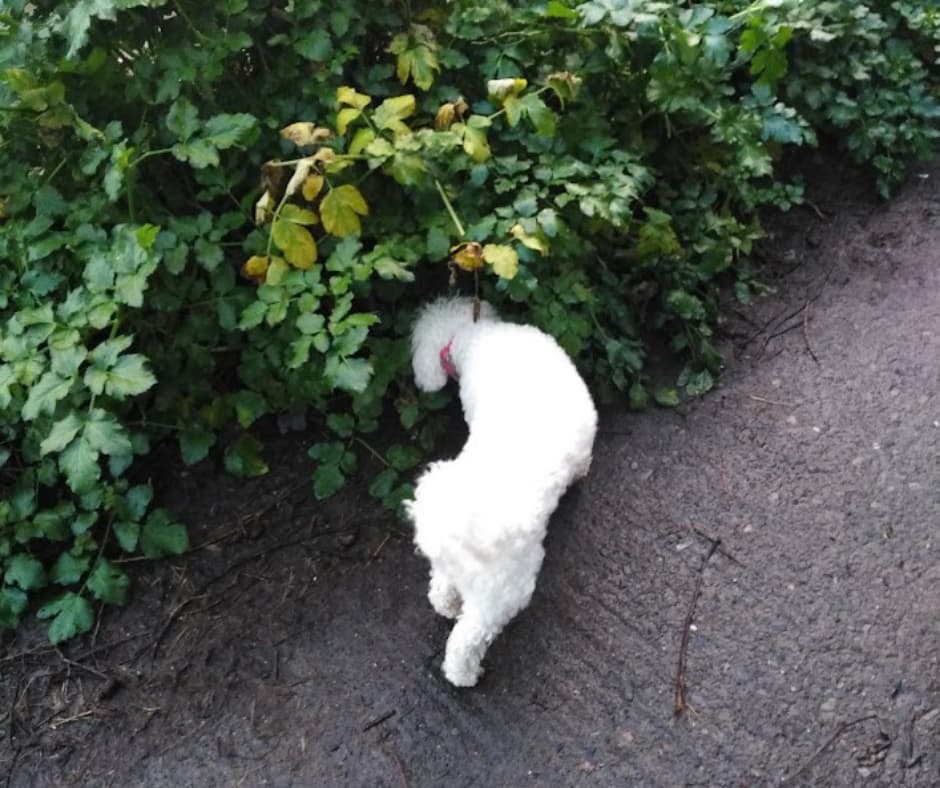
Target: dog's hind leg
[443, 596]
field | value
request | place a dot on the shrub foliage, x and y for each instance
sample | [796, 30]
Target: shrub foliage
[213, 211]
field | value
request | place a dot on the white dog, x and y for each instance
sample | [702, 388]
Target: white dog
[480, 518]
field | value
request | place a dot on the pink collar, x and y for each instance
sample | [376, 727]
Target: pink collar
[447, 362]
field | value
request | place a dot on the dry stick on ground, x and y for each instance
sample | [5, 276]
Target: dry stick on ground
[681, 703]
[806, 332]
[765, 401]
[825, 746]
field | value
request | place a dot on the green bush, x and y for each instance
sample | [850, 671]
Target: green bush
[215, 211]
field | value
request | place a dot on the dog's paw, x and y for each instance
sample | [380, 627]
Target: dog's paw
[462, 675]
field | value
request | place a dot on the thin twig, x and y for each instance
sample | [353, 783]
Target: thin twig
[379, 548]
[681, 703]
[379, 720]
[806, 332]
[825, 746]
[766, 401]
[816, 210]
[712, 540]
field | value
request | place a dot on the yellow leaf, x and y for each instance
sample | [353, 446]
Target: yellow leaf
[306, 133]
[360, 141]
[346, 116]
[536, 242]
[503, 258]
[403, 66]
[276, 271]
[468, 256]
[349, 97]
[391, 113]
[255, 268]
[446, 114]
[296, 243]
[501, 88]
[264, 208]
[340, 210]
[324, 157]
[311, 187]
[475, 143]
[298, 215]
[301, 171]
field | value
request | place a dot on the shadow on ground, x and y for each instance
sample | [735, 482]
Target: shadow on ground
[297, 647]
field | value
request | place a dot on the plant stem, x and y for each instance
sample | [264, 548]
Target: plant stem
[149, 154]
[450, 209]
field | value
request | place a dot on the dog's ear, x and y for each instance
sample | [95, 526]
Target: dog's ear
[429, 374]
[426, 358]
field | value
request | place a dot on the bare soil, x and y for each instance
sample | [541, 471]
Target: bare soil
[780, 538]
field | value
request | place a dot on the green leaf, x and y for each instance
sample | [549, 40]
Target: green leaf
[638, 397]
[195, 443]
[128, 377]
[44, 394]
[438, 244]
[340, 210]
[137, 499]
[183, 119]
[348, 374]
[252, 315]
[695, 384]
[342, 424]
[403, 457]
[104, 434]
[13, 603]
[539, 115]
[243, 457]
[71, 615]
[667, 398]
[559, 10]
[686, 305]
[61, 434]
[327, 480]
[127, 535]
[79, 463]
[249, 407]
[315, 45]
[108, 583]
[383, 483]
[69, 569]
[226, 130]
[208, 254]
[24, 571]
[162, 536]
[310, 323]
[106, 353]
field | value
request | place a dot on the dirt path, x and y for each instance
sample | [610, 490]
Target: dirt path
[305, 654]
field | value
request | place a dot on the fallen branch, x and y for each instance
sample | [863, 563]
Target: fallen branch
[806, 332]
[681, 702]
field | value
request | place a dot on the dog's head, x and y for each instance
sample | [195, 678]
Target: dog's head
[436, 326]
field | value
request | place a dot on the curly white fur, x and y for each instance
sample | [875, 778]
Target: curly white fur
[481, 518]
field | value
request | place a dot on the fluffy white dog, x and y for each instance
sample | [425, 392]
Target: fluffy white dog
[480, 518]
